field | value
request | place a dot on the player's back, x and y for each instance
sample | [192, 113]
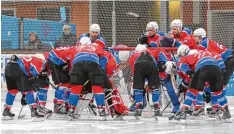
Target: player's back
[87, 53]
[215, 47]
[37, 65]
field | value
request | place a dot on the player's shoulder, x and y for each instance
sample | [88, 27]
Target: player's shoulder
[161, 33]
[186, 30]
[205, 42]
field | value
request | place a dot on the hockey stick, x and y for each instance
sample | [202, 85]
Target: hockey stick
[56, 110]
[23, 115]
[94, 112]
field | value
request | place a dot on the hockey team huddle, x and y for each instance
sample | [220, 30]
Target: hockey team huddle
[204, 68]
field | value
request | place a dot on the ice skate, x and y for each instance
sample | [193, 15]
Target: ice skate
[7, 114]
[212, 113]
[102, 113]
[138, 111]
[35, 114]
[60, 108]
[181, 117]
[226, 115]
[71, 115]
[43, 109]
[199, 112]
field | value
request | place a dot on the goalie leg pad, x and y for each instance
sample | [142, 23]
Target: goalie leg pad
[171, 92]
[10, 97]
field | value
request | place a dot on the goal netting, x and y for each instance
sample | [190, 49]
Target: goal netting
[121, 21]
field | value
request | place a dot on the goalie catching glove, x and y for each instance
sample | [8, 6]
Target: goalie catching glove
[170, 67]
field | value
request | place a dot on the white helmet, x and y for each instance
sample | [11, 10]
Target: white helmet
[140, 47]
[153, 25]
[95, 28]
[124, 55]
[85, 41]
[176, 23]
[194, 51]
[183, 50]
[200, 32]
[170, 67]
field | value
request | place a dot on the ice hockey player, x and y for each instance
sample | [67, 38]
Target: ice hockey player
[162, 59]
[22, 74]
[152, 33]
[182, 34]
[202, 68]
[227, 54]
[206, 95]
[214, 47]
[59, 65]
[165, 41]
[144, 67]
[86, 67]
[94, 35]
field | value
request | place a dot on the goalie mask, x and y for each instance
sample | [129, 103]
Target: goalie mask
[115, 103]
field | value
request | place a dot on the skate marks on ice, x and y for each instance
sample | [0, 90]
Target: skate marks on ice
[129, 125]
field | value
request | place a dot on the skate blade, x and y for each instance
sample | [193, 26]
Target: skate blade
[211, 116]
[156, 118]
[118, 118]
[137, 117]
[183, 122]
[37, 119]
[21, 116]
[48, 115]
[103, 118]
[171, 117]
[7, 118]
[227, 120]
[70, 118]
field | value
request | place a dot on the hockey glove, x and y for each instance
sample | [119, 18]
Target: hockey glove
[143, 39]
[23, 100]
[161, 66]
[183, 86]
[44, 73]
[190, 73]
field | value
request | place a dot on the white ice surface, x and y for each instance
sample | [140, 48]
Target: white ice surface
[90, 124]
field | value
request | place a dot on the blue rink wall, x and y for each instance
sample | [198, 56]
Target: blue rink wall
[5, 58]
[48, 31]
